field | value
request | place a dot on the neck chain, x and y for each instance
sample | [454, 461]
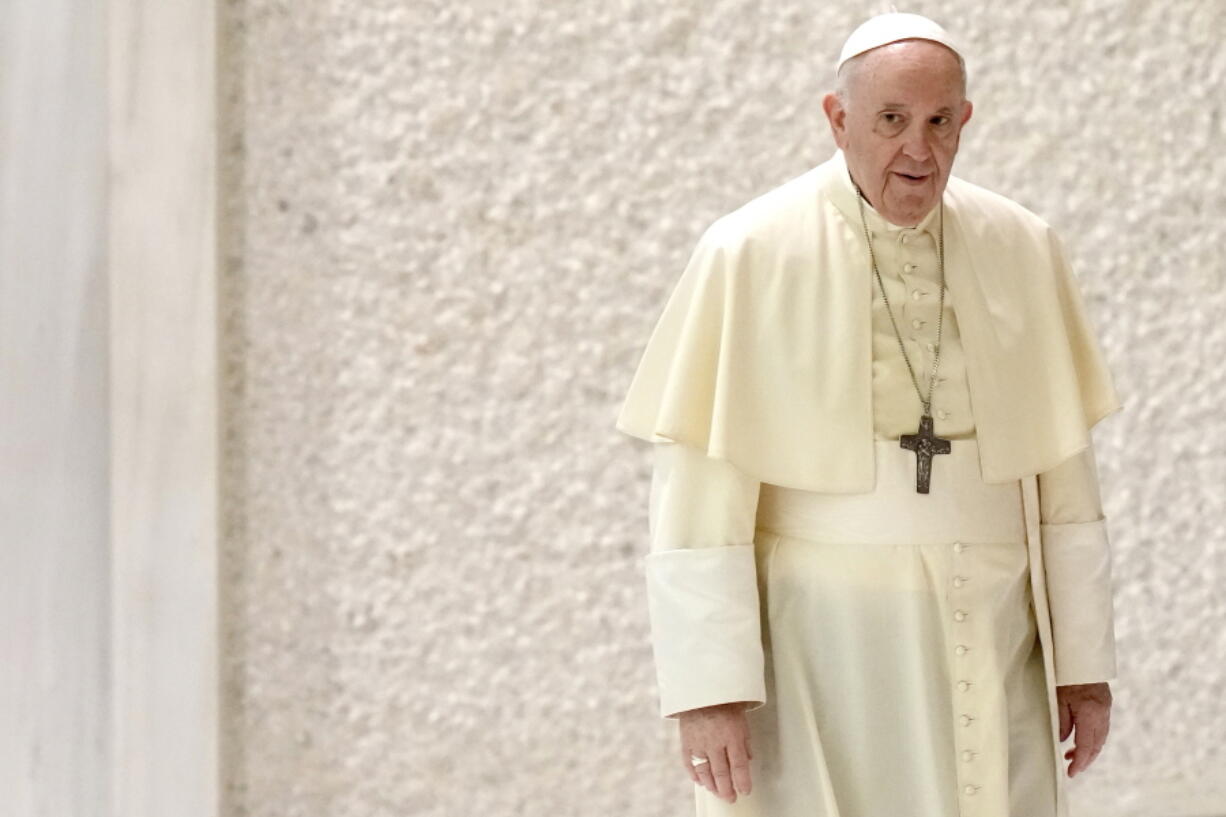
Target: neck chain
[924, 442]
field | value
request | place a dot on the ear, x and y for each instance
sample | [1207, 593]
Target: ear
[966, 112]
[836, 115]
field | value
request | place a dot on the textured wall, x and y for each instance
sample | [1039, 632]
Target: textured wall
[449, 230]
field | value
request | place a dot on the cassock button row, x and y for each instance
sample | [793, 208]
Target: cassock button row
[959, 615]
[964, 685]
[917, 323]
[915, 294]
[969, 789]
[959, 581]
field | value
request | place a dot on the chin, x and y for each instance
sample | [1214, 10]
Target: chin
[913, 209]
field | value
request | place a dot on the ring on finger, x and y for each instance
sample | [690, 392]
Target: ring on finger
[698, 761]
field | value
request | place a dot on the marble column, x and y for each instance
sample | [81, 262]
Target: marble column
[108, 410]
[161, 260]
[55, 676]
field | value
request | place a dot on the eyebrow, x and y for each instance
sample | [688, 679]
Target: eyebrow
[898, 106]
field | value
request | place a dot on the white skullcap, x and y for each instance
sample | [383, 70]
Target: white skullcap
[892, 27]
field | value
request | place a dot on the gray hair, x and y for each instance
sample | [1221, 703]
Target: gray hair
[848, 70]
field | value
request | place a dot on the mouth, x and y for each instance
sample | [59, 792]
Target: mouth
[909, 178]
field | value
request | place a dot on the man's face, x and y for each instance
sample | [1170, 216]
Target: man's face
[900, 126]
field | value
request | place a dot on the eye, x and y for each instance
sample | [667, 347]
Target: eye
[890, 123]
[939, 120]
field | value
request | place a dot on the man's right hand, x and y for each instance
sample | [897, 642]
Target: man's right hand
[719, 733]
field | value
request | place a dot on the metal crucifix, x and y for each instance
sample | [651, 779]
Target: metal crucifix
[924, 443]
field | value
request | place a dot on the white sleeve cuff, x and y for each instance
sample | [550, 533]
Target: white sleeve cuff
[1077, 563]
[705, 627]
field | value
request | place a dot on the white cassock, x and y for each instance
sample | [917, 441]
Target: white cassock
[899, 651]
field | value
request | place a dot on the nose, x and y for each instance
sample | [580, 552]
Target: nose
[916, 146]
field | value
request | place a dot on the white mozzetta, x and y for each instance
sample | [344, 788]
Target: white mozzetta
[762, 353]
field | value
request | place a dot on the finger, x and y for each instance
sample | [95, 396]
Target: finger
[688, 763]
[723, 775]
[1077, 751]
[704, 776]
[738, 761]
[1093, 735]
[1070, 755]
[1099, 737]
[1084, 747]
[1067, 723]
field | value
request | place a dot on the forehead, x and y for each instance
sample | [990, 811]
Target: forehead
[910, 72]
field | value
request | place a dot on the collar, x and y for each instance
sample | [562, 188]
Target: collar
[840, 189]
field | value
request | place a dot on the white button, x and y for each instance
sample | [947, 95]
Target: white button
[931, 347]
[959, 615]
[908, 268]
[966, 720]
[912, 337]
[969, 789]
[942, 413]
[959, 581]
[958, 546]
[961, 649]
[915, 294]
[904, 238]
[967, 754]
[964, 685]
[917, 323]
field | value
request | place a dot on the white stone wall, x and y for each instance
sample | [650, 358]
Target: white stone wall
[448, 230]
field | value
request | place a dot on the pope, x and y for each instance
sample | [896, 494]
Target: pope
[843, 577]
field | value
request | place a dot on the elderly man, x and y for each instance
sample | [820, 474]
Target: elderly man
[879, 580]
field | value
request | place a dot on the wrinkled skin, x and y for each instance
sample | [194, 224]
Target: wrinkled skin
[721, 734]
[903, 115]
[1088, 708]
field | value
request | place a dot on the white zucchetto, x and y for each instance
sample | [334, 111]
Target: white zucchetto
[892, 27]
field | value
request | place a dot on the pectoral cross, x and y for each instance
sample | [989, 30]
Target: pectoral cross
[924, 443]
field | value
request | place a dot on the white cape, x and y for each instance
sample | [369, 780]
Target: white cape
[763, 355]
